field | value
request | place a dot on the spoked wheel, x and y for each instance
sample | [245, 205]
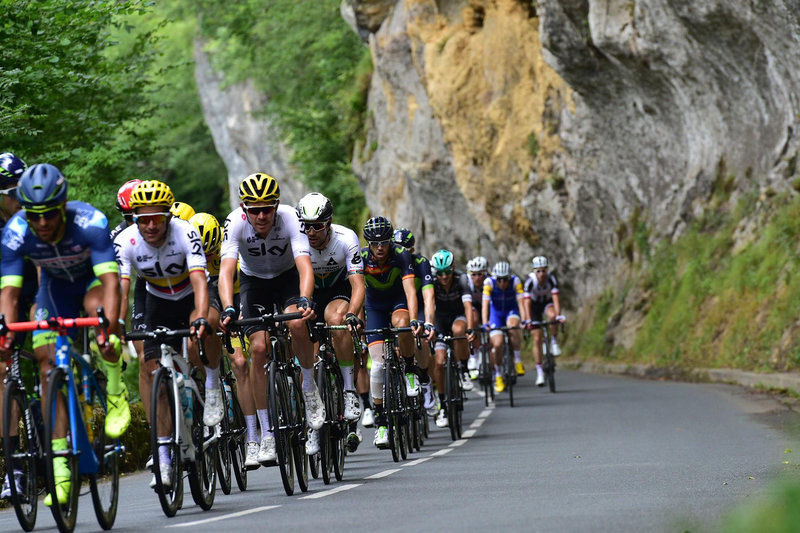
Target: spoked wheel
[451, 387]
[550, 371]
[19, 425]
[238, 443]
[64, 514]
[325, 458]
[224, 456]
[390, 391]
[203, 472]
[511, 375]
[162, 410]
[105, 483]
[280, 418]
[416, 436]
[299, 425]
[401, 408]
[338, 433]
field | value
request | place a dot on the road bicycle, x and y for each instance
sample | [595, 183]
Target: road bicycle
[287, 411]
[454, 391]
[89, 452]
[509, 367]
[548, 360]
[485, 368]
[23, 431]
[232, 433]
[177, 403]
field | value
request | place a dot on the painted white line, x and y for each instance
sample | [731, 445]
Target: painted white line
[226, 516]
[383, 474]
[443, 451]
[331, 491]
[457, 443]
[478, 423]
[486, 412]
[418, 461]
[468, 433]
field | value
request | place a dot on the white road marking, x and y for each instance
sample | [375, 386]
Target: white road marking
[459, 442]
[225, 517]
[331, 491]
[383, 474]
[443, 451]
[468, 433]
[418, 461]
[478, 423]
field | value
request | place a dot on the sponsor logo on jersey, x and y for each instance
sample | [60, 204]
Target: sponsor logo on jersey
[272, 250]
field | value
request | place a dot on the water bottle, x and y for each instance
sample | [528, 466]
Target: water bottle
[229, 395]
[186, 398]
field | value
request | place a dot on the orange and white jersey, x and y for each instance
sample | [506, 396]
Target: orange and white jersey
[166, 268]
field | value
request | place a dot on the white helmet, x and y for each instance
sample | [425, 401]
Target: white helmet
[539, 261]
[314, 207]
[501, 270]
[478, 264]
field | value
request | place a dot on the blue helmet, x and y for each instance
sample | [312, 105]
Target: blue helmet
[42, 186]
[378, 229]
[404, 237]
[11, 169]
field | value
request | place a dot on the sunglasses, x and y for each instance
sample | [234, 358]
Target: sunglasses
[258, 210]
[444, 272]
[8, 192]
[316, 226]
[150, 218]
[377, 244]
[49, 214]
[474, 274]
[541, 271]
[504, 279]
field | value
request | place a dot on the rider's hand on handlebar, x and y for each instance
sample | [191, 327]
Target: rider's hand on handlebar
[430, 331]
[226, 316]
[562, 319]
[6, 347]
[416, 327]
[470, 335]
[199, 327]
[354, 324]
[306, 306]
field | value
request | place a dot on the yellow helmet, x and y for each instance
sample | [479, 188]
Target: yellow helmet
[182, 210]
[259, 187]
[210, 232]
[151, 192]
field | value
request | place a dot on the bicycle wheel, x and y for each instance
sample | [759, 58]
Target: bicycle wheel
[298, 414]
[510, 373]
[339, 429]
[450, 379]
[485, 375]
[238, 443]
[203, 471]
[224, 460]
[162, 408]
[392, 421]
[64, 514]
[279, 419]
[325, 393]
[401, 408]
[104, 484]
[25, 455]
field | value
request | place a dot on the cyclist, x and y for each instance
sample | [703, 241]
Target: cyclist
[338, 292]
[541, 296]
[423, 280]
[391, 299]
[11, 169]
[168, 254]
[276, 270]
[453, 317]
[476, 268]
[182, 210]
[502, 305]
[70, 243]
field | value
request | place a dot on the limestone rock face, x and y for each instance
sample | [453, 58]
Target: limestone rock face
[519, 127]
[245, 140]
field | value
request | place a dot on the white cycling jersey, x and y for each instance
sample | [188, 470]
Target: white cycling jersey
[266, 257]
[166, 268]
[339, 259]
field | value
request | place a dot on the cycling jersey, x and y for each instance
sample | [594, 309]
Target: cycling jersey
[503, 302]
[451, 302]
[387, 280]
[423, 277]
[540, 293]
[85, 250]
[340, 259]
[264, 257]
[122, 226]
[166, 269]
[212, 268]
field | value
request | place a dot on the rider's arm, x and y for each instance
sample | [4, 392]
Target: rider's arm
[200, 288]
[358, 289]
[227, 273]
[469, 314]
[111, 299]
[429, 303]
[306, 271]
[557, 304]
[485, 311]
[410, 288]
[125, 284]
[9, 300]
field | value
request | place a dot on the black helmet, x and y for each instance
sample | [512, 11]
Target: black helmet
[42, 186]
[11, 169]
[404, 237]
[378, 229]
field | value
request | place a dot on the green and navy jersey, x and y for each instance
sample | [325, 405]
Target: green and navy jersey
[387, 279]
[423, 277]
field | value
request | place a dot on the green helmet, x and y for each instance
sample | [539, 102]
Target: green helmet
[442, 260]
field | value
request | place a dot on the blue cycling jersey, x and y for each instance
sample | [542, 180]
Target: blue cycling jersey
[85, 250]
[502, 301]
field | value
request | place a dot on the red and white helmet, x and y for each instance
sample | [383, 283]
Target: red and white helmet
[124, 195]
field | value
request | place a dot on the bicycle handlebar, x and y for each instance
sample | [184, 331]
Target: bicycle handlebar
[268, 319]
[59, 324]
[162, 335]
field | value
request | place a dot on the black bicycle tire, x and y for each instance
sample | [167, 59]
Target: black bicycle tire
[203, 471]
[508, 362]
[323, 385]
[65, 521]
[278, 418]
[105, 515]
[339, 440]
[449, 388]
[298, 413]
[25, 505]
[392, 426]
[170, 500]
[238, 444]
[401, 408]
[224, 461]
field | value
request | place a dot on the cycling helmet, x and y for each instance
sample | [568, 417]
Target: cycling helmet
[501, 270]
[378, 229]
[539, 261]
[259, 187]
[442, 260]
[182, 210]
[152, 192]
[478, 264]
[124, 195]
[404, 237]
[11, 169]
[41, 187]
[314, 207]
[210, 232]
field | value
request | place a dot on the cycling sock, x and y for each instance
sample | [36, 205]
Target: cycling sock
[212, 378]
[163, 452]
[365, 400]
[347, 374]
[114, 376]
[308, 379]
[263, 418]
[463, 366]
[424, 378]
[539, 368]
[517, 356]
[498, 370]
[441, 399]
[251, 421]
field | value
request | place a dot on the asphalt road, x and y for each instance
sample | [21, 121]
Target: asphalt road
[603, 454]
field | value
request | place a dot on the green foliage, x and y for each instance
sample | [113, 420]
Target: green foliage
[533, 145]
[775, 512]
[315, 71]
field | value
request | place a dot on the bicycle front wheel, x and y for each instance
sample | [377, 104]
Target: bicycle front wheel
[511, 374]
[279, 418]
[451, 388]
[169, 484]
[22, 456]
[64, 514]
[298, 418]
[203, 472]
[390, 392]
[238, 443]
[325, 393]
[224, 443]
[105, 483]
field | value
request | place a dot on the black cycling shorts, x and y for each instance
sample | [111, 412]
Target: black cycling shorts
[271, 294]
[172, 314]
[339, 291]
